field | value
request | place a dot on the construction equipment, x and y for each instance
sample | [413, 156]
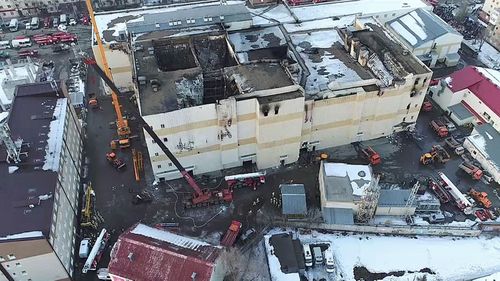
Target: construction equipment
[96, 252]
[138, 164]
[117, 163]
[481, 197]
[251, 180]
[481, 214]
[439, 127]
[93, 103]
[453, 144]
[120, 143]
[200, 197]
[123, 129]
[368, 153]
[437, 153]
[469, 168]
[87, 218]
[460, 200]
[231, 234]
[440, 192]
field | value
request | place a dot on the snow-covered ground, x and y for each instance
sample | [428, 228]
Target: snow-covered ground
[448, 258]
[488, 54]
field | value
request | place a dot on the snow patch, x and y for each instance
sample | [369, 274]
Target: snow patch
[23, 235]
[360, 176]
[169, 237]
[12, 169]
[399, 28]
[415, 26]
[55, 137]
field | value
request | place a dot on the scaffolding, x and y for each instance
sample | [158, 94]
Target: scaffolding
[369, 201]
[411, 201]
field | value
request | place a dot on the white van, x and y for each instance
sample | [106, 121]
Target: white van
[318, 255]
[84, 248]
[330, 263]
[21, 43]
[14, 25]
[63, 19]
[35, 23]
[4, 45]
[307, 255]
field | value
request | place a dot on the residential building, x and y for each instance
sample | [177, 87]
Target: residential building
[470, 95]
[104, 5]
[12, 75]
[26, 8]
[428, 37]
[40, 165]
[293, 200]
[493, 34]
[483, 144]
[490, 7]
[148, 254]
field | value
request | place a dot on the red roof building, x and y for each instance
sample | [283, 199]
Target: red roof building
[485, 87]
[144, 253]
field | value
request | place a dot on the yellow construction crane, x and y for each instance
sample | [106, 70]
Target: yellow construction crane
[123, 129]
[88, 210]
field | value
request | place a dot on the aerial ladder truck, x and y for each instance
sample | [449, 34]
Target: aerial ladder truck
[200, 197]
[123, 129]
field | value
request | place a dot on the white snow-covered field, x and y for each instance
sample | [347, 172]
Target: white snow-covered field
[449, 258]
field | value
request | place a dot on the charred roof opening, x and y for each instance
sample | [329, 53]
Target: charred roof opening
[172, 56]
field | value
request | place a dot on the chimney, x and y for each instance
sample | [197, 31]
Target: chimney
[193, 276]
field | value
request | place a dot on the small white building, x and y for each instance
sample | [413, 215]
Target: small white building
[428, 37]
[484, 146]
[470, 95]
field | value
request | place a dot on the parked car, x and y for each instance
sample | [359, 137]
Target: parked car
[85, 20]
[47, 22]
[4, 55]
[436, 218]
[55, 22]
[28, 53]
[103, 274]
[61, 48]
[72, 22]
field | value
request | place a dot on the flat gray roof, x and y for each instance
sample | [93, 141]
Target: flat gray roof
[420, 26]
[259, 76]
[460, 111]
[257, 44]
[338, 216]
[487, 139]
[293, 199]
[396, 198]
[190, 17]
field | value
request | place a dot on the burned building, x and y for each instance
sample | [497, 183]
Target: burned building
[220, 98]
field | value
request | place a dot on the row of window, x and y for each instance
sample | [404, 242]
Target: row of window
[190, 21]
[34, 4]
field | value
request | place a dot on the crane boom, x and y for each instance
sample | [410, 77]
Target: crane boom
[200, 195]
[123, 129]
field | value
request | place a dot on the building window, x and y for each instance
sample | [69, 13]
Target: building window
[404, 119]
[408, 107]
[156, 154]
[276, 109]
[170, 164]
[487, 116]
[162, 126]
[8, 6]
[1, 259]
[165, 139]
[159, 166]
[153, 141]
[24, 272]
[18, 264]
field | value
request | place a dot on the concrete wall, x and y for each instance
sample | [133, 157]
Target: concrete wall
[482, 159]
[394, 211]
[31, 260]
[483, 110]
[444, 97]
[120, 64]
[212, 137]
[490, 5]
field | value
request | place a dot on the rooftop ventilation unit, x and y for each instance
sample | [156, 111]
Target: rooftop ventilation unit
[142, 80]
[151, 50]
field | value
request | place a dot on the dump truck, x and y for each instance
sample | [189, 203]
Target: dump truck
[475, 172]
[454, 145]
[439, 127]
[231, 234]
[481, 197]
[367, 153]
[116, 162]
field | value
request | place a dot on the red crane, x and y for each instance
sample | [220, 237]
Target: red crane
[200, 197]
